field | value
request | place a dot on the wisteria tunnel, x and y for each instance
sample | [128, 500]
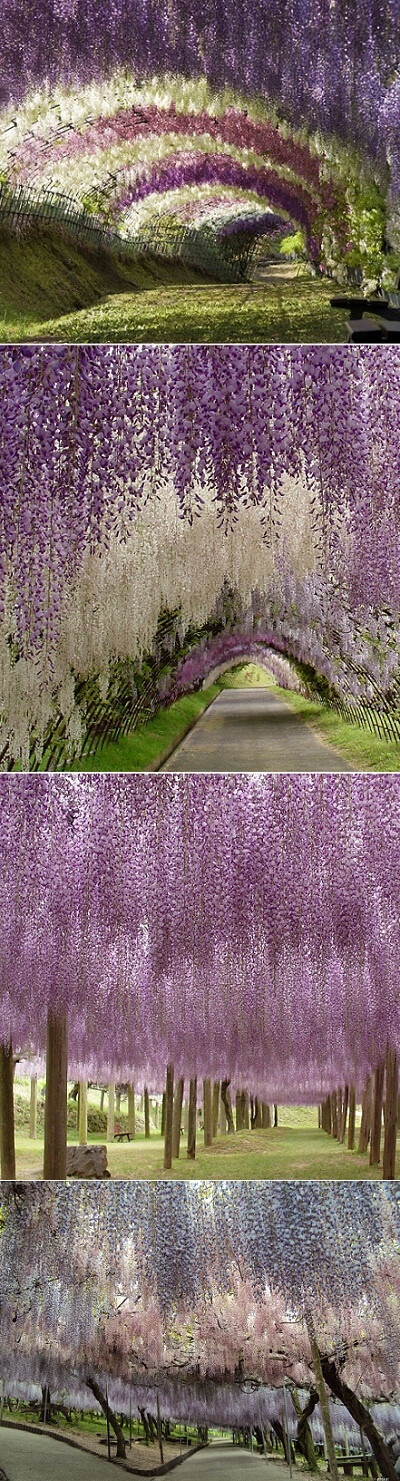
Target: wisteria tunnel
[154, 129]
[166, 510]
[226, 943]
[269, 1309]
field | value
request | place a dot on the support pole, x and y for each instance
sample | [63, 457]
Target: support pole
[169, 1107]
[33, 1109]
[82, 1114]
[111, 1111]
[391, 1104]
[55, 1115]
[7, 1130]
[207, 1111]
[131, 1112]
[177, 1117]
[192, 1120]
[146, 1112]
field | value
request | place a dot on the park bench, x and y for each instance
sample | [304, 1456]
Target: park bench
[346, 1464]
[384, 325]
[119, 1133]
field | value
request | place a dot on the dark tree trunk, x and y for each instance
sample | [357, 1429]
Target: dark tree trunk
[163, 1108]
[391, 1107]
[345, 1107]
[245, 1111]
[45, 1407]
[146, 1112]
[327, 1115]
[365, 1128]
[376, 1118]
[265, 1116]
[192, 1120]
[112, 1418]
[275, 1115]
[256, 1119]
[226, 1101]
[7, 1131]
[351, 1136]
[334, 1113]
[207, 1113]
[239, 1110]
[215, 1107]
[304, 1438]
[145, 1424]
[284, 1440]
[362, 1417]
[177, 1116]
[169, 1108]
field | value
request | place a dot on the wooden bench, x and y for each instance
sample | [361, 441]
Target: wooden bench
[383, 328]
[119, 1133]
[347, 1462]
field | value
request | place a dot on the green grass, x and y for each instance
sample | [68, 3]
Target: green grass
[288, 1151]
[148, 745]
[364, 751]
[52, 290]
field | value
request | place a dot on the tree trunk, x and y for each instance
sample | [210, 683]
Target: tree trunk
[82, 1113]
[391, 1106]
[327, 1115]
[7, 1131]
[215, 1107]
[207, 1113]
[365, 1128]
[163, 1109]
[304, 1438]
[146, 1112]
[112, 1418]
[238, 1110]
[376, 1118]
[131, 1112]
[345, 1107]
[256, 1119]
[176, 1119]
[118, 1100]
[245, 1111]
[55, 1115]
[111, 1111]
[280, 1431]
[145, 1424]
[169, 1111]
[33, 1109]
[323, 1399]
[45, 1407]
[275, 1115]
[334, 1113]
[192, 1120]
[226, 1100]
[223, 1125]
[351, 1136]
[265, 1116]
[362, 1417]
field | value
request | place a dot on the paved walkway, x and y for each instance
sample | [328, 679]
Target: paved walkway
[253, 730]
[221, 1462]
[27, 1457]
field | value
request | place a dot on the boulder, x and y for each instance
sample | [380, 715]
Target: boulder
[87, 1162]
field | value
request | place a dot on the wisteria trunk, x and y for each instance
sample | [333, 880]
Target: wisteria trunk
[7, 1132]
[362, 1417]
[345, 1107]
[111, 1112]
[376, 1121]
[192, 1120]
[352, 1119]
[109, 1413]
[169, 1111]
[365, 1128]
[146, 1112]
[207, 1113]
[391, 1108]
[82, 1114]
[131, 1112]
[55, 1116]
[215, 1107]
[226, 1101]
[176, 1120]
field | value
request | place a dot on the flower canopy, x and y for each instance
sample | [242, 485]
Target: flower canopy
[240, 926]
[140, 485]
[116, 105]
[207, 1291]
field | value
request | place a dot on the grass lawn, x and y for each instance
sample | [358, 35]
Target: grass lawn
[147, 746]
[53, 290]
[289, 1151]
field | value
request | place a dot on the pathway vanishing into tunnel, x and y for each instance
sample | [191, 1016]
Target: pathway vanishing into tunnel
[253, 730]
[28, 1457]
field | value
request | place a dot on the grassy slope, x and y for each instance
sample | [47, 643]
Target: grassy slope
[53, 290]
[145, 747]
[46, 277]
[287, 1152]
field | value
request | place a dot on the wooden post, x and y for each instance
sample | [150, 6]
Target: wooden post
[352, 1119]
[176, 1119]
[82, 1114]
[192, 1120]
[146, 1112]
[7, 1131]
[207, 1113]
[55, 1115]
[391, 1105]
[376, 1118]
[365, 1127]
[215, 1107]
[111, 1111]
[131, 1112]
[33, 1109]
[169, 1109]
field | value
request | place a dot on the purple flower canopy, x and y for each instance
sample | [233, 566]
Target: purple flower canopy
[326, 66]
[164, 1286]
[242, 926]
